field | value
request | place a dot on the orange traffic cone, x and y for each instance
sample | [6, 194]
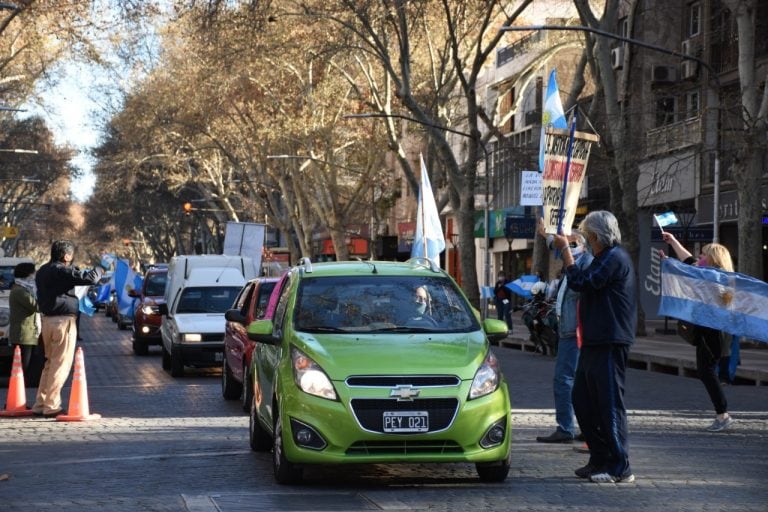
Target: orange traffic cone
[78, 397]
[16, 404]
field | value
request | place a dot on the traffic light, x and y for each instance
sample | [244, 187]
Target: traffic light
[187, 208]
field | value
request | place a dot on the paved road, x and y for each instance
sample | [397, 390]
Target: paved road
[176, 445]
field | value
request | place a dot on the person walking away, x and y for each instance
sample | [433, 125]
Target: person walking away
[502, 297]
[608, 321]
[711, 344]
[567, 348]
[24, 325]
[59, 306]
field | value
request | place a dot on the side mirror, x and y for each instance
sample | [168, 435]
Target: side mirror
[163, 309]
[261, 331]
[134, 293]
[234, 315]
[495, 330]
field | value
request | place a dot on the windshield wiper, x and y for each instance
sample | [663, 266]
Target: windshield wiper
[403, 328]
[319, 328]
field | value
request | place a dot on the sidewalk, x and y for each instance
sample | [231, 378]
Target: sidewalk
[665, 353]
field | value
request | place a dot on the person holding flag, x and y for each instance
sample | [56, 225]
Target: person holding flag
[607, 316]
[711, 344]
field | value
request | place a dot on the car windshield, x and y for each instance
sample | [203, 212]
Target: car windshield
[207, 299]
[155, 284]
[358, 304]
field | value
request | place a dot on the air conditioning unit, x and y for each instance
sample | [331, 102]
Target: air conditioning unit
[617, 57]
[663, 74]
[689, 69]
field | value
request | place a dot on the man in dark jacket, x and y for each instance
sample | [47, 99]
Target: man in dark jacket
[59, 306]
[608, 320]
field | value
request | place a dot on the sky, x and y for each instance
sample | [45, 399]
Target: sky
[69, 109]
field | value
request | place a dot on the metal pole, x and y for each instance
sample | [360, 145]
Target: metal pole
[487, 276]
[716, 201]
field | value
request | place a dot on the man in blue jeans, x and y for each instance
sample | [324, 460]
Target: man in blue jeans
[567, 348]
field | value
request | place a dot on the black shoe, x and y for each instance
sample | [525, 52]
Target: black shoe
[556, 437]
[51, 414]
[585, 471]
[580, 438]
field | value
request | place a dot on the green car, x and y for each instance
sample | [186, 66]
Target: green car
[377, 362]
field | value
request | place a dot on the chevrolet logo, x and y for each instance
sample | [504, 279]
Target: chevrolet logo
[404, 392]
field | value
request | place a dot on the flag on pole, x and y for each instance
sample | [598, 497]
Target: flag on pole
[428, 241]
[728, 301]
[665, 219]
[125, 279]
[85, 305]
[552, 115]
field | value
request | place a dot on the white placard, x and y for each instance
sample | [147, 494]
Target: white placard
[530, 189]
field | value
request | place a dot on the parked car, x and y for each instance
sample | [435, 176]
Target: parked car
[111, 308]
[377, 362]
[250, 304]
[146, 313]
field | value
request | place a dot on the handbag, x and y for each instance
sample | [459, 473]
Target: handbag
[688, 332]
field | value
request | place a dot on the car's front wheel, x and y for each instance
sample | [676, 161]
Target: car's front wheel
[493, 471]
[285, 472]
[230, 388]
[140, 348]
[177, 364]
[259, 438]
[247, 395]
[166, 359]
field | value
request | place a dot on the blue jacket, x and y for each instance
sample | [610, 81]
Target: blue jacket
[567, 320]
[608, 304]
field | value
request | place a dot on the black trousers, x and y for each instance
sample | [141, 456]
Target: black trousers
[598, 401]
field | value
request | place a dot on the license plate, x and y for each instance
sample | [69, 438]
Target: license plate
[406, 421]
[218, 357]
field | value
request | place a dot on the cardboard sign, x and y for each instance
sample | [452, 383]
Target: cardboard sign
[554, 175]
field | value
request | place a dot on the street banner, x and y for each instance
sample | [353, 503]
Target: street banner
[557, 169]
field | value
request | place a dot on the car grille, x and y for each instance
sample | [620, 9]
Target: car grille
[213, 337]
[390, 381]
[370, 412]
[403, 447]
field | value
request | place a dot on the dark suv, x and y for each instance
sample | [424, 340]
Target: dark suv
[146, 315]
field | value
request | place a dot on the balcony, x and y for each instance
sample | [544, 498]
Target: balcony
[673, 137]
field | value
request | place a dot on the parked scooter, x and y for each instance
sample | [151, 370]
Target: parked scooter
[540, 317]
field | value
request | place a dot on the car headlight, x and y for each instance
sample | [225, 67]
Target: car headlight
[150, 310]
[487, 377]
[191, 338]
[5, 316]
[310, 377]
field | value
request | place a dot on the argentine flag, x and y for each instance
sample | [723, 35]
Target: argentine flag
[428, 241]
[125, 279]
[84, 303]
[728, 301]
[552, 114]
[665, 219]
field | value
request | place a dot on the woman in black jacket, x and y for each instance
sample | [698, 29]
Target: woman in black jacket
[711, 345]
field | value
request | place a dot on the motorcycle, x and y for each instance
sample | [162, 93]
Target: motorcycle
[540, 317]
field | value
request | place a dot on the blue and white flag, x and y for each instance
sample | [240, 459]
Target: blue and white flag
[428, 241]
[103, 295]
[107, 260]
[665, 219]
[84, 303]
[552, 114]
[728, 301]
[125, 279]
[522, 285]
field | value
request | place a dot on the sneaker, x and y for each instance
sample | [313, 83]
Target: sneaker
[556, 437]
[585, 471]
[606, 478]
[719, 425]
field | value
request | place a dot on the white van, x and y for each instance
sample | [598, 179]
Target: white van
[199, 290]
